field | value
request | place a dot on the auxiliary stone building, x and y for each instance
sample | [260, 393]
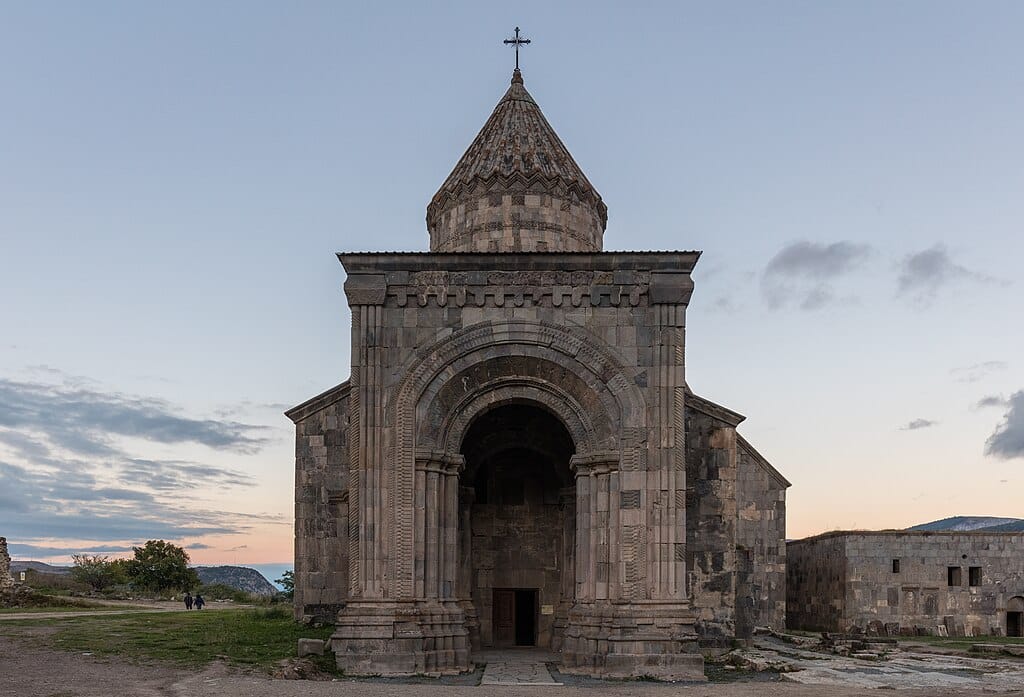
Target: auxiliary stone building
[901, 582]
[516, 458]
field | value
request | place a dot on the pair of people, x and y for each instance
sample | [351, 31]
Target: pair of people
[197, 601]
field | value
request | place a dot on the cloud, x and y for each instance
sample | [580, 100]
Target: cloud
[803, 272]
[918, 424]
[978, 371]
[993, 400]
[84, 420]
[923, 274]
[1007, 441]
[23, 550]
[66, 470]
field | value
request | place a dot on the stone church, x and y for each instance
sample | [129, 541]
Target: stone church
[516, 458]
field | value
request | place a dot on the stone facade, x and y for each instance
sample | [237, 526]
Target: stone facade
[516, 458]
[956, 583]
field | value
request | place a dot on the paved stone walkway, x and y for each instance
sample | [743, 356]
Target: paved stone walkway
[516, 667]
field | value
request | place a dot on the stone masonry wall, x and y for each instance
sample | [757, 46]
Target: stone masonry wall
[321, 506]
[6, 581]
[921, 594]
[761, 542]
[815, 583]
[517, 546]
[711, 524]
[918, 596]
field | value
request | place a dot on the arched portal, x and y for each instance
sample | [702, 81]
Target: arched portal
[517, 526]
[1015, 617]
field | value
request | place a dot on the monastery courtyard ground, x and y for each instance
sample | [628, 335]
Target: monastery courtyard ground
[29, 667]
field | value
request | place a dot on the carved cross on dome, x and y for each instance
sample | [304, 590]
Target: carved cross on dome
[517, 42]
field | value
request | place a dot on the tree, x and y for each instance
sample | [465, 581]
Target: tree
[161, 566]
[287, 581]
[96, 571]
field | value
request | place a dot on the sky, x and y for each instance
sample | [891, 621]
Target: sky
[175, 179]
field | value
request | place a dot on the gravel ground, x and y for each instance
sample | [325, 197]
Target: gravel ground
[30, 670]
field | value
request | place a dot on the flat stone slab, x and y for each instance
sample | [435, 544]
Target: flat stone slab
[513, 669]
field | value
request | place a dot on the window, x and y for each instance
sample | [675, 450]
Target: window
[974, 576]
[953, 577]
[895, 566]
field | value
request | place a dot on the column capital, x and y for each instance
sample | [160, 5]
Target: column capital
[439, 461]
[366, 289]
[600, 462]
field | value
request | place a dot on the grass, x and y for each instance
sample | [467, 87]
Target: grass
[86, 606]
[256, 638]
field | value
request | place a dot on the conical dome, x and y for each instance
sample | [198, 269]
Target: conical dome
[516, 189]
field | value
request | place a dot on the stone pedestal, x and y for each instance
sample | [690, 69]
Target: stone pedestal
[401, 638]
[632, 640]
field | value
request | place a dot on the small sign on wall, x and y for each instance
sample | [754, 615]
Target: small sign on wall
[547, 609]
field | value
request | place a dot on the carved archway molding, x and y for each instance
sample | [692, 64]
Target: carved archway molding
[575, 349]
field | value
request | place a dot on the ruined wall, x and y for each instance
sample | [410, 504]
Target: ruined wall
[711, 522]
[815, 583]
[321, 504]
[919, 597]
[760, 543]
[6, 581]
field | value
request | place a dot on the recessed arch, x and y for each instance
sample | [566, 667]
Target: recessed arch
[608, 392]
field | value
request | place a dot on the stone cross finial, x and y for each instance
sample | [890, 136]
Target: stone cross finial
[517, 42]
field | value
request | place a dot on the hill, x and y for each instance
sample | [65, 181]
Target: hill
[239, 577]
[963, 523]
[41, 567]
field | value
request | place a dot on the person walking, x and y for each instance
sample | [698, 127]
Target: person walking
[199, 602]
[188, 600]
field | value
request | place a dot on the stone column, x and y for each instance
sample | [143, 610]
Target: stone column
[464, 584]
[367, 482]
[567, 560]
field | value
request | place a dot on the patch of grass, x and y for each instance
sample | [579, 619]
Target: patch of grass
[58, 608]
[34, 601]
[258, 638]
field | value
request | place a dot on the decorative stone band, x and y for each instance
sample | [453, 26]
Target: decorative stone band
[518, 288]
[519, 296]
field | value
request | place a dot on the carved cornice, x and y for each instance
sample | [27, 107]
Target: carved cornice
[318, 403]
[519, 288]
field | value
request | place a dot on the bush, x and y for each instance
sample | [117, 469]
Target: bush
[159, 567]
[97, 572]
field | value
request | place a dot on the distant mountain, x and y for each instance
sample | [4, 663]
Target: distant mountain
[1013, 526]
[238, 577]
[43, 568]
[966, 523]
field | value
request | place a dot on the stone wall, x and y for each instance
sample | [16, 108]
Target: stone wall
[760, 542]
[6, 581]
[711, 518]
[931, 590]
[321, 504]
[517, 546]
[815, 583]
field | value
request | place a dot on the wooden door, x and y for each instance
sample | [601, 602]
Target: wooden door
[504, 617]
